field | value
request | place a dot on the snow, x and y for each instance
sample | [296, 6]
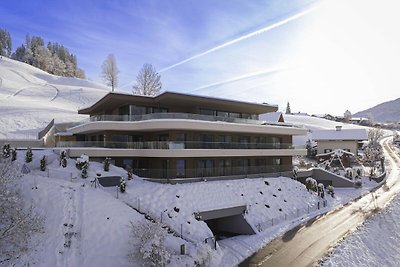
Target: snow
[348, 134]
[270, 117]
[30, 98]
[375, 243]
[90, 226]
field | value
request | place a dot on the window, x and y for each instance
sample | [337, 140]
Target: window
[234, 115]
[205, 167]
[123, 110]
[327, 150]
[260, 139]
[180, 167]
[243, 166]
[209, 112]
[276, 142]
[180, 137]
[137, 110]
[222, 114]
[276, 161]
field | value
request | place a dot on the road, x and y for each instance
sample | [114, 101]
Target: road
[307, 243]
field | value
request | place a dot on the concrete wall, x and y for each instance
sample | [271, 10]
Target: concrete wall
[23, 143]
[325, 178]
[352, 145]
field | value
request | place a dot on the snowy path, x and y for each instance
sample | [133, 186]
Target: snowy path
[71, 228]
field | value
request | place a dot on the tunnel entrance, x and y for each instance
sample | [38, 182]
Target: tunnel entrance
[228, 222]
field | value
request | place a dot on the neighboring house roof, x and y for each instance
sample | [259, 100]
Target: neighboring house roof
[271, 117]
[114, 100]
[344, 135]
[336, 152]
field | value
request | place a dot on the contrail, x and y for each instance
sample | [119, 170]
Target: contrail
[244, 37]
[238, 78]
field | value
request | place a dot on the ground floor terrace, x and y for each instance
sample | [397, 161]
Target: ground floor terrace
[169, 168]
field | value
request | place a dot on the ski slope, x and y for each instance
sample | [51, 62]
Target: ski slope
[30, 98]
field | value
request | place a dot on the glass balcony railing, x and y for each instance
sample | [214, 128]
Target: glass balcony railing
[184, 116]
[210, 172]
[176, 145]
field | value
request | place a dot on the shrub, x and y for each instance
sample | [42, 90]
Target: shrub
[29, 155]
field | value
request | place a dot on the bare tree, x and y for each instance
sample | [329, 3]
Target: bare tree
[17, 224]
[148, 81]
[374, 134]
[109, 71]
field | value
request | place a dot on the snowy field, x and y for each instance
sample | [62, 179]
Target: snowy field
[88, 226]
[30, 98]
[375, 243]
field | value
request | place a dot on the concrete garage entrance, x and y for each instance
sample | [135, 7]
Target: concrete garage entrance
[227, 222]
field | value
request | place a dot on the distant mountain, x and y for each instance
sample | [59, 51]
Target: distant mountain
[385, 112]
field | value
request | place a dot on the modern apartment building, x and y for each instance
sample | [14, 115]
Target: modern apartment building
[175, 135]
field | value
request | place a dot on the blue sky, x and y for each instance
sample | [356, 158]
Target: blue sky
[272, 51]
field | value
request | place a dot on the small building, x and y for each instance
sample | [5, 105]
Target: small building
[272, 117]
[349, 140]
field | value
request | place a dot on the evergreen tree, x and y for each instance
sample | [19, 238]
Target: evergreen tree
[6, 150]
[5, 43]
[106, 164]
[43, 164]
[13, 154]
[29, 155]
[288, 110]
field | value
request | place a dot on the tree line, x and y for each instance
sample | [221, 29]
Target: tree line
[53, 58]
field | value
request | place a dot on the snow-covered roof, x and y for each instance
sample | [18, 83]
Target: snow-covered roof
[344, 134]
[272, 117]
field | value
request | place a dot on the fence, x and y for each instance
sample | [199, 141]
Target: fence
[291, 215]
[59, 174]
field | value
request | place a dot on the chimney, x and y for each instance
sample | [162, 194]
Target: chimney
[338, 128]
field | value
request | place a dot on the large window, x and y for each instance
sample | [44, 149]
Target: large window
[205, 167]
[180, 168]
[276, 142]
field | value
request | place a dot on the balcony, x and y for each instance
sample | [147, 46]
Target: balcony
[182, 116]
[175, 145]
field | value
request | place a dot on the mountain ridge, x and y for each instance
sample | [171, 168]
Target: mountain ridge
[388, 111]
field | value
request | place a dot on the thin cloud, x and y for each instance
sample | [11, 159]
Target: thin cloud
[244, 37]
[239, 78]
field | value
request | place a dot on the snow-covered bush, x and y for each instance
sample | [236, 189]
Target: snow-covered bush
[83, 160]
[106, 164]
[43, 164]
[82, 164]
[311, 184]
[129, 174]
[149, 243]
[17, 224]
[6, 150]
[204, 255]
[63, 158]
[29, 155]
[122, 185]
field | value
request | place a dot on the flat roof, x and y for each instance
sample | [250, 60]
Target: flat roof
[114, 100]
[344, 135]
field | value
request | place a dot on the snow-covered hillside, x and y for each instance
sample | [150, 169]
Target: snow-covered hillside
[30, 98]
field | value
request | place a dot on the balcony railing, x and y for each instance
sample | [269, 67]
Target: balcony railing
[176, 145]
[185, 116]
[210, 172]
